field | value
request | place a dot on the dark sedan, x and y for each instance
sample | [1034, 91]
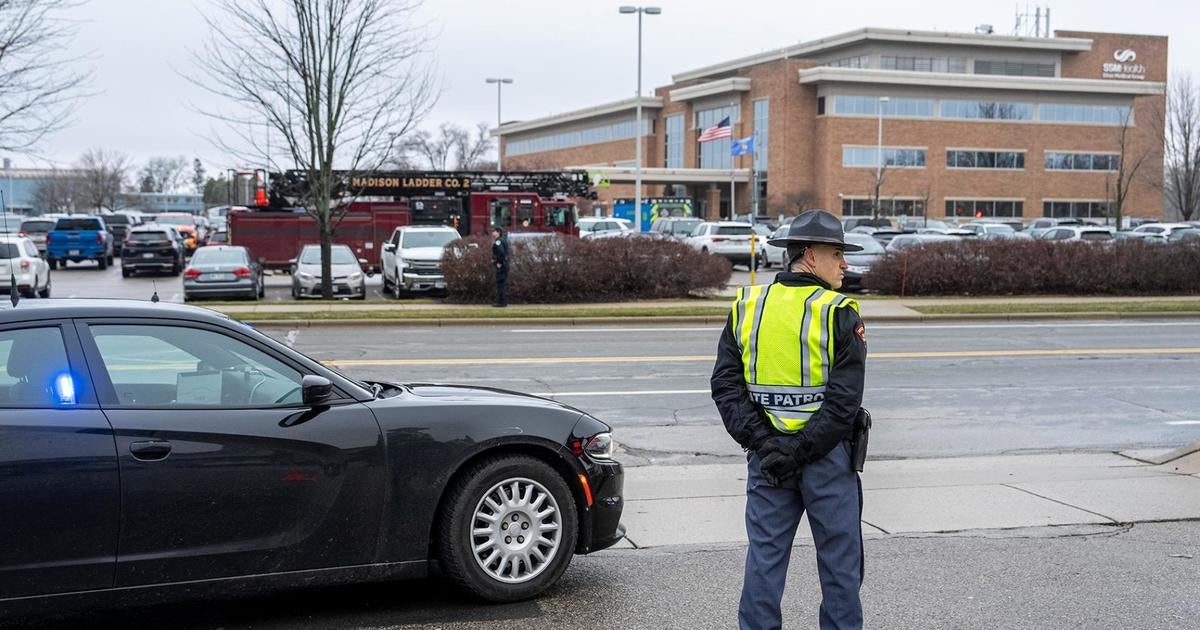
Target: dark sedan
[162, 451]
[222, 271]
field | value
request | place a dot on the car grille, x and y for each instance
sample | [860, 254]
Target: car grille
[426, 266]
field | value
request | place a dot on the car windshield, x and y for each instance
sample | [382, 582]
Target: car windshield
[147, 237]
[684, 227]
[37, 226]
[1094, 236]
[230, 256]
[118, 219]
[734, 230]
[427, 239]
[338, 256]
[77, 224]
[999, 228]
[869, 245]
[170, 220]
[9, 250]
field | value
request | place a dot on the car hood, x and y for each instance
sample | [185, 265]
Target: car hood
[421, 253]
[482, 395]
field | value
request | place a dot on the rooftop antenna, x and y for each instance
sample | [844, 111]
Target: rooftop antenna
[154, 298]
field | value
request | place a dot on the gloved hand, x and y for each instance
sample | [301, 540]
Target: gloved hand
[777, 458]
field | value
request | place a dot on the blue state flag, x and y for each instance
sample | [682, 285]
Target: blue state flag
[745, 146]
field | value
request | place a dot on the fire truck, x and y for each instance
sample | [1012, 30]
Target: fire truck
[371, 205]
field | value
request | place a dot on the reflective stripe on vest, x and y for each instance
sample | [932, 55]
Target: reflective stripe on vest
[786, 339]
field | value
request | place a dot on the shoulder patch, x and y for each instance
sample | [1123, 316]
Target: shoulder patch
[861, 331]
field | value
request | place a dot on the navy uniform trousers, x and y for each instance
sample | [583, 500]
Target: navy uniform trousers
[829, 491]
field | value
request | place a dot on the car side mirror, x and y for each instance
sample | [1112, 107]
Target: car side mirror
[388, 247]
[315, 389]
[362, 261]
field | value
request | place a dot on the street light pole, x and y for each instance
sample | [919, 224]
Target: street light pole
[879, 155]
[637, 177]
[499, 81]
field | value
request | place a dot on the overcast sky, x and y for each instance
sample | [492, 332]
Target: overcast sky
[562, 54]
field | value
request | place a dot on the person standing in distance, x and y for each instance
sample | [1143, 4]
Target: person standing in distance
[788, 383]
[500, 261]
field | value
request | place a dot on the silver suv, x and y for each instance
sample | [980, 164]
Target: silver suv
[412, 258]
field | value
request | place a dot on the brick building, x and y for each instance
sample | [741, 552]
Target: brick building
[966, 124]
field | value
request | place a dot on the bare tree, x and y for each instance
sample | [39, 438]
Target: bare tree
[101, 179]
[39, 87]
[792, 203]
[472, 150]
[57, 193]
[163, 174]
[338, 81]
[926, 196]
[1179, 128]
[877, 179]
[198, 178]
[1130, 162]
[451, 147]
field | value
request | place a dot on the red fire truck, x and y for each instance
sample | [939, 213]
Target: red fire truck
[372, 205]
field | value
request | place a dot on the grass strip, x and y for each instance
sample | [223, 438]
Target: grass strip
[1018, 308]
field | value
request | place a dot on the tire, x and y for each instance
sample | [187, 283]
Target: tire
[764, 261]
[110, 260]
[125, 273]
[295, 295]
[54, 263]
[177, 268]
[398, 290]
[101, 263]
[510, 572]
[262, 288]
[45, 292]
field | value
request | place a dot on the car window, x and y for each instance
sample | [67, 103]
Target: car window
[176, 366]
[142, 237]
[35, 370]
[37, 227]
[9, 250]
[1095, 236]
[337, 256]
[230, 256]
[77, 224]
[30, 249]
[428, 239]
[734, 230]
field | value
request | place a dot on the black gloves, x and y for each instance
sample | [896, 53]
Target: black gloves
[777, 459]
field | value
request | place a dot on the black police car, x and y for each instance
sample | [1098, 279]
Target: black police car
[153, 450]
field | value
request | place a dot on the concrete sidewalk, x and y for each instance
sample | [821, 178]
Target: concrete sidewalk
[704, 504]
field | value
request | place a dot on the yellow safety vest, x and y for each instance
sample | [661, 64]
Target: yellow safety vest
[785, 335]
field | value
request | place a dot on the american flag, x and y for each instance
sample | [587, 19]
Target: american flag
[717, 131]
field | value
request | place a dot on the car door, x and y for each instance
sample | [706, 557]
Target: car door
[59, 485]
[224, 471]
[388, 255]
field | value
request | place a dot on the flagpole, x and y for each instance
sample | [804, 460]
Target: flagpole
[732, 192]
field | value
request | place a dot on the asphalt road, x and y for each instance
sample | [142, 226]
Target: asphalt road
[1099, 578]
[933, 389]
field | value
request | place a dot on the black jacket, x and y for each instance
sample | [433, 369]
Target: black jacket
[748, 424]
[500, 253]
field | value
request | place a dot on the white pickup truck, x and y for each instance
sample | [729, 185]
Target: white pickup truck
[412, 258]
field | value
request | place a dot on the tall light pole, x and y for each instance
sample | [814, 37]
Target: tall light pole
[499, 82]
[879, 155]
[637, 177]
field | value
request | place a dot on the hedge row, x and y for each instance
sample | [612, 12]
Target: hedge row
[561, 269]
[1039, 267]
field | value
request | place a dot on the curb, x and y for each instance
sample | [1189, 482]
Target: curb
[439, 322]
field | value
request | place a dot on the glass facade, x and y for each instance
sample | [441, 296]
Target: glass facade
[987, 110]
[715, 154]
[859, 157]
[985, 159]
[858, 61]
[1014, 68]
[622, 130]
[673, 140]
[968, 208]
[894, 107]
[1058, 161]
[924, 64]
[1075, 209]
[887, 207]
[1094, 114]
[762, 119]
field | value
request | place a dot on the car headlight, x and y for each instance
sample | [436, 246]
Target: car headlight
[355, 277]
[304, 276]
[600, 446]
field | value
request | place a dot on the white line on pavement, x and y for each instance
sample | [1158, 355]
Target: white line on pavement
[663, 392]
[542, 331]
[1182, 422]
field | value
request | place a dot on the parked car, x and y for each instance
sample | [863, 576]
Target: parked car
[411, 260]
[919, 223]
[36, 229]
[860, 262]
[882, 234]
[1186, 236]
[218, 237]
[947, 232]
[724, 238]
[594, 226]
[675, 227]
[119, 224]
[904, 241]
[1163, 229]
[1016, 224]
[349, 279]
[78, 238]
[1037, 226]
[223, 271]
[20, 261]
[167, 451]
[988, 231]
[1146, 237]
[193, 234]
[152, 247]
[1064, 233]
[889, 223]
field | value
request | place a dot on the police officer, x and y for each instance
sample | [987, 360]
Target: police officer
[500, 261]
[788, 384]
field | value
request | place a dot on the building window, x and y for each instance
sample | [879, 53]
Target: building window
[1095, 114]
[987, 110]
[890, 207]
[1014, 68]
[1060, 161]
[622, 130]
[1075, 209]
[894, 107]
[858, 61]
[958, 158]
[893, 157]
[978, 208]
[674, 142]
[762, 117]
[715, 154]
[923, 64]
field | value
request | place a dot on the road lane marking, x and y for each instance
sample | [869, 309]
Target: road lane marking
[693, 358]
[616, 329]
[1172, 422]
[660, 392]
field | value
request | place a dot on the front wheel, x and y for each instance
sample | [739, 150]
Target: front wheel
[509, 529]
[45, 291]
